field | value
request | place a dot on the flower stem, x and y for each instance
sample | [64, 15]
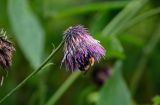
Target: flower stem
[148, 49]
[33, 73]
[141, 18]
[63, 88]
[123, 17]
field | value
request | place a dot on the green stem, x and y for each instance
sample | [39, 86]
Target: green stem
[138, 6]
[141, 18]
[123, 17]
[63, 88]
[33, 73]
[143, 60]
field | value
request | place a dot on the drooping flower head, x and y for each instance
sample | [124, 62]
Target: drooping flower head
[81, 50]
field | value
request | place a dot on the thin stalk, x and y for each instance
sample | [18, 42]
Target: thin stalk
[148, 49]
[33, 73]
[141, 18]
[123, 17]
[63, 88]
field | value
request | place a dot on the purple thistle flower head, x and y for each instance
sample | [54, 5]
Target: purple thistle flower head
[81, 50]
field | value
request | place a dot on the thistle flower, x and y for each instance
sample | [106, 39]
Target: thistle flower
[6, 50]
[81, 50]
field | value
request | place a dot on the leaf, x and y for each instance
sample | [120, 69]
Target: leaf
[115, 91]
[133, 40]
[113, 46]
[28, 31]
[76, 10]
[156, 100]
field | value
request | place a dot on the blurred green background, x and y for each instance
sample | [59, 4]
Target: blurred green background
[128, 29]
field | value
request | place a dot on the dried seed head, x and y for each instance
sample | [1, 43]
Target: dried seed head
[81, 50]
[6, 50]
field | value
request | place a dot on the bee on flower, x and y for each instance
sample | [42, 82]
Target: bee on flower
[81, 50]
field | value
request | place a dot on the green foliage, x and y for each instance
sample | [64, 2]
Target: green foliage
[115, 91]
[128, 29]
[105, 6]
[113, 47]
[156, 100]
[28, 31]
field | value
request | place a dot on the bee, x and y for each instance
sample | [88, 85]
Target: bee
[88, 63]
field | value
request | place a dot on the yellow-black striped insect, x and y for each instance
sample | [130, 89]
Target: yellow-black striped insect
[87, 64]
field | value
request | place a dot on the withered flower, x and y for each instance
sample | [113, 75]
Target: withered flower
[81, 50]
[100, 74]
[6, 50]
